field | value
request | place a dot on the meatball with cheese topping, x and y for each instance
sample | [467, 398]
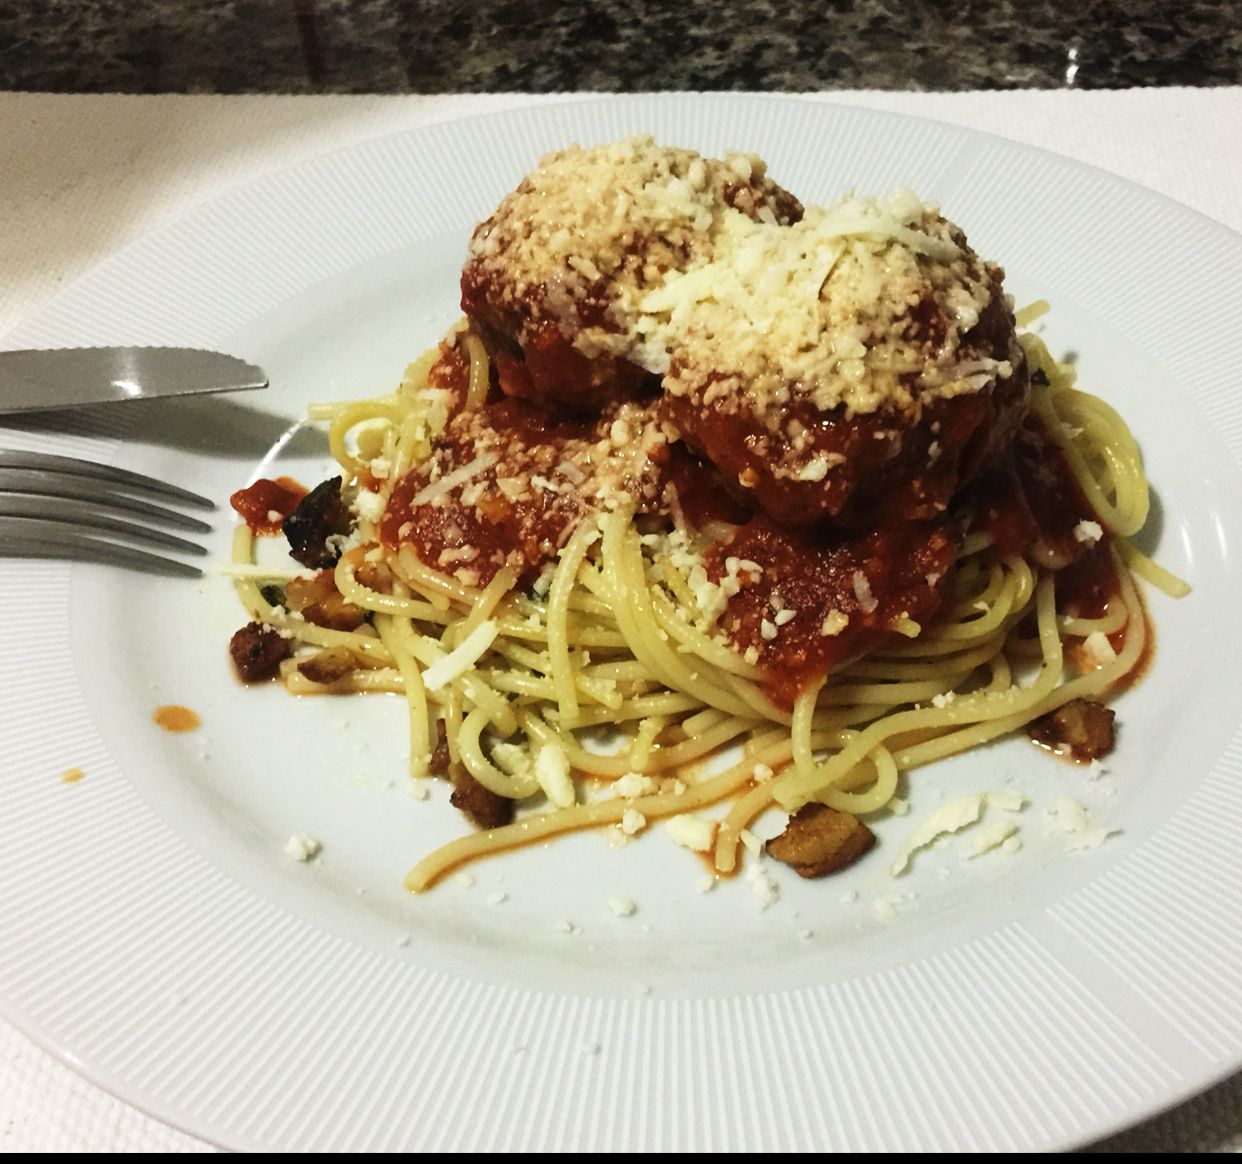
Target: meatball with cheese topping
[554, 277]
[859, 366]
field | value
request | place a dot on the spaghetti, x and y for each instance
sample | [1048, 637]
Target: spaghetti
[611, 634]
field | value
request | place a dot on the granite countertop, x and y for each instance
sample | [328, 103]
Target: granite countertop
[441, 46]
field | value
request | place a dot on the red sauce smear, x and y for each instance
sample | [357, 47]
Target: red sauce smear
[174, 718]
[265, 504]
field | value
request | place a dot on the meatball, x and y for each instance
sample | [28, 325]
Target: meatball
[554, 278]
[860, 380]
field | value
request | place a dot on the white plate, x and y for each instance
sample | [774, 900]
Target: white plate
[156, 937]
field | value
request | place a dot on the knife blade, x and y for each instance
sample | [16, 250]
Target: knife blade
[69, 377]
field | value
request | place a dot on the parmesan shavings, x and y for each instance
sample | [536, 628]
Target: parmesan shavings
[552, 772]
[835, 621]
[862, 591]
[368, 505]
[632, 822]
[1073, 818]
[257, 571]
[993, 836]
[948, 818]
[1006, 801]
[446, 484]
[1097, 650]
[632, 785]
[458, 661]
[691, 832]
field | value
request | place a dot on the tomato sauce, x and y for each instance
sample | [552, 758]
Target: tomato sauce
[266, 504]
[481, 536]
[1087, 587]
[1034, 497]
[701, 490]
[871, 579]
[172, 717]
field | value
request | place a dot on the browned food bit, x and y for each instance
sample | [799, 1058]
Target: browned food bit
[319, 601]
[487, 809]
[319, 517]
[1080, 730]
[375, 576]
[438, 765]
[257, 651]
[819, 840]
[330, 666]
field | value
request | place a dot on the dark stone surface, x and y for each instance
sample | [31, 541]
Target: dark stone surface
[436, 46]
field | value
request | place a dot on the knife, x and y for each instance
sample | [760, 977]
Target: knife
[67, 377]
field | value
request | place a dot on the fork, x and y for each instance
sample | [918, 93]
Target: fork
[63, 507]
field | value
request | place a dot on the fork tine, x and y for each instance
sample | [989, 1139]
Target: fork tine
[67, 543]
[13, 459]
[44, 483]
[39, 510]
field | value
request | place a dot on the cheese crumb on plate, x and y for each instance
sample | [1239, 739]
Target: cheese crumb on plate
[302, 848]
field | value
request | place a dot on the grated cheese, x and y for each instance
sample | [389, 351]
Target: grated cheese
[835, 621]
[948, 818]
[1088, 532]
[862, 591]
[445, 485]
[302, 848]
[633, 784]
[458, 661]
[711, 286]
[633, 822]
[993, 836]
[691, 832]
[552, 772]
[1097, 650]
[1073, 818]
[368, 505]
[1006, 800]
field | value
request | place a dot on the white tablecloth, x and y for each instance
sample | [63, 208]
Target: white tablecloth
[83, 175]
